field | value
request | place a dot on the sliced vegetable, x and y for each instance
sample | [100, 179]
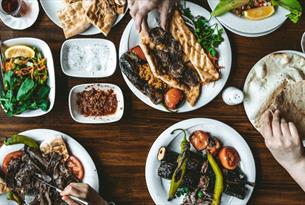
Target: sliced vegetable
[214, 145]
[179, 173]
[13, 197]
[229, 158]
[138, 51]
[21, 139]
[9, 157]
[225, 6]
[200, 140]
[218, 187]
[294, 6]
[76, 167]
[173, 98]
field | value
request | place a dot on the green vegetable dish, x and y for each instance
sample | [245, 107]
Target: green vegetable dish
[25, 83]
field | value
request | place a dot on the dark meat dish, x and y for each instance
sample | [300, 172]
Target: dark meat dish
[96, 102]
[138, 72]
[22, 174]
[169, 55]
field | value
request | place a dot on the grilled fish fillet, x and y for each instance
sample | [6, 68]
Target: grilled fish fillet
[192, 49]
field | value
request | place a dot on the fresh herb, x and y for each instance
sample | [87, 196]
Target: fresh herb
[208, 36]
[293, 6]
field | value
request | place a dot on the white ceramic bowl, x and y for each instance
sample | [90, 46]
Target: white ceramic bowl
[78, 117]
[46, 51]
[106, 71]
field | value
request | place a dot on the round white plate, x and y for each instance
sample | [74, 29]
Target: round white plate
[158, 188]
[249, 109]
[51, 7]
[248, 26]
[91, 175]
[25, 21]
[131, 38]
[249, 34]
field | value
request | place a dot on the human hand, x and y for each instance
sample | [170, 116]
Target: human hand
[82, 191]
[139, 10]
[283, 140]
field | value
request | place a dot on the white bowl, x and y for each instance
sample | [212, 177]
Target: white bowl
[46, 51]
[82, 43]
[78, 117]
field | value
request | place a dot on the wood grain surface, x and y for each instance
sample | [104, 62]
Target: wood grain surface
[120, 149]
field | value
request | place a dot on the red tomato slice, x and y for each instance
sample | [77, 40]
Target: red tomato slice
[9, 157]
[138, 51]
[76, 167]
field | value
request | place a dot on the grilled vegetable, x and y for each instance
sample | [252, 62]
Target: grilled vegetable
[200, 140]
[21, 139]
[214, 145]
[218, 187]
[138, 51]
[167, 155]
[9, 157]
[173, 98]
[13, 197]
[180, 171]
[229, 158]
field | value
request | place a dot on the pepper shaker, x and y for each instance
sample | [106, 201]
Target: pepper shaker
[232, 96]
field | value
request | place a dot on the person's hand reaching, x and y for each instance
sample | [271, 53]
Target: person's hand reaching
[139, 10]
[82, 191]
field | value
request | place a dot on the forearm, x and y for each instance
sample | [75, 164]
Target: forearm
[297, 172]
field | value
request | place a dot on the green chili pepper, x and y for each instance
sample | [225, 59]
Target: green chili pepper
[218, 188]
[13, 197]
[179, 172]
[20, 139]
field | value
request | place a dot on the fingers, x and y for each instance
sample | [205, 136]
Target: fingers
[276, 127]
[78, 190]
[294, 132]
[266, 129]
[285, 129]
[164, 9]
[69, 201]
[144, 26]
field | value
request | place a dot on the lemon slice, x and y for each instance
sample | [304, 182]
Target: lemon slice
[19, 51]
[259, 13]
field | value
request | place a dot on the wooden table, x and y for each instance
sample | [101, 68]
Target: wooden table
[120, 149]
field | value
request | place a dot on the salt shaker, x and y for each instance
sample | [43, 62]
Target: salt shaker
[232, 96]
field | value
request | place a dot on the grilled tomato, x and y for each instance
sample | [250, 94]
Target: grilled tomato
[9, 157]
[76, 167]
[172, 98]
[229, 158]
[138, 51]
[200, 140]
[214, 145]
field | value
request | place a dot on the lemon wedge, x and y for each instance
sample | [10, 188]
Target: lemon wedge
[19, 51]
[259, 13]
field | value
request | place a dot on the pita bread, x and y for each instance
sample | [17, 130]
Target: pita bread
[120, 6]
[3, 187]
[71, 1]
[289, 99]
[192, 49]
[55, 144]
[73, 19]
[102, 14]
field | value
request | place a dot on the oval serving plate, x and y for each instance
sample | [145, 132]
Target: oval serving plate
[46, 51]
[106, 70]
[91, 175]
[248, 26]
[51, 7]
[158, 188]
[73, 107]
[131, 38]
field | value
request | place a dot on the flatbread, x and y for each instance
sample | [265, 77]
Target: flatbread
[289, 99]
[3, 187]
[193, 50]
[120, 6]
[102, 14]
[73, 19]
[71, 1]
[55, 144]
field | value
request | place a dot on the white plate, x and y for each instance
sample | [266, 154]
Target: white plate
[24, 22]
[74, 111]
[51, 7]
[303, 42]
[46, 51]
[248, 26]
[91, 175]
[250, 35]
[108, 69]
[130, 39]
[158, 188]
[248, 108]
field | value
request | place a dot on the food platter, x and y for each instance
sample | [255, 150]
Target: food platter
[130, 39]
[91, 175]
[51, 7]
[252, 104]
[158, 187]
[248, 26]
